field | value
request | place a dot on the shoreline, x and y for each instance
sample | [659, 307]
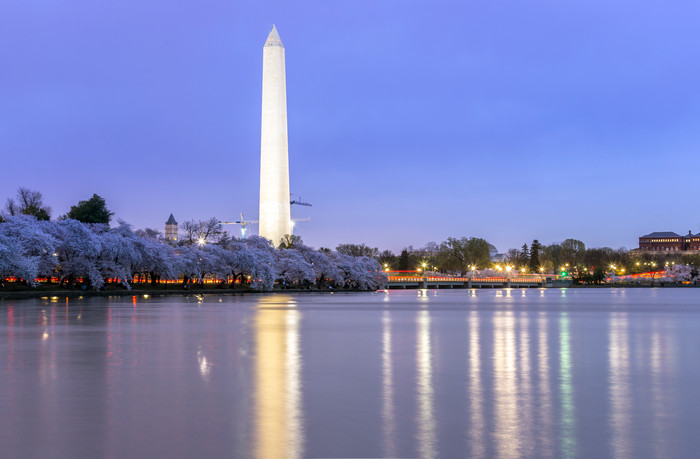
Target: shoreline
[61, 294]
[55, 294]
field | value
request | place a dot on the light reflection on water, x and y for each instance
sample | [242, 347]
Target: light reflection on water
[427, 443]
[525, 389]
[507, 422]
[463, 373]
[279, 431]
[477, 427]
[568, 409]
[545, 419]
[388, 408]
[620, 402]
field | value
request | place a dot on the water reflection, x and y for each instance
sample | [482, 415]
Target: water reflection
[660, 399]
[568, 427]
[525, 385]
[278, 404]
[620, 402]
[204, 364]
[427, 443]
[444, 374]
[388, 409]
[507, 428]
[545, 421]
[477, 428]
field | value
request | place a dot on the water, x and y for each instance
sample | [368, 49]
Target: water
[458, 373]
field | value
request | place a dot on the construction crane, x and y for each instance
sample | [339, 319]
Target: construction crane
[298, 202]
[244, 224]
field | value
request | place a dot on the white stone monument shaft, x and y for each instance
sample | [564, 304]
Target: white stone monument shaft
[275, 218]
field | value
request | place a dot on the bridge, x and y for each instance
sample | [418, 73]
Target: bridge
[404, 282]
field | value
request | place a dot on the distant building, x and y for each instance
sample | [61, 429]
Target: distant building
[668, 241]
[495, 256]
[171, 229]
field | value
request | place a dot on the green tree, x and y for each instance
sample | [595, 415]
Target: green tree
[534, 262]
[387, 259]
[94, 210]
[524, 257]
[28, 202]
[551, 257]
[601, 257]
[572, 252]
[598, 275]
[290, 241]
[357, 250]
[461, 254]
[404, 261]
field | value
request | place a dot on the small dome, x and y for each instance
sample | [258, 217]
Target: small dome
[493, 251]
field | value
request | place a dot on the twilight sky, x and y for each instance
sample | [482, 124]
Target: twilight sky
[408, 121]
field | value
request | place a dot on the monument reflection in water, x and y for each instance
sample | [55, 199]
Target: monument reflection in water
[278, 362]
[470, 373]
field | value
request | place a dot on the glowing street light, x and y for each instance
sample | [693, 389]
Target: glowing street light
[201, 241]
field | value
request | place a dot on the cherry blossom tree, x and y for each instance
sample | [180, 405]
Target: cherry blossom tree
[78, 251]
[292, 268]
[34, 242]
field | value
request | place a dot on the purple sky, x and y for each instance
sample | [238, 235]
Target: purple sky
[408, 122]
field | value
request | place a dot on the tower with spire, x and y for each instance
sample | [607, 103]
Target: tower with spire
[171, 229]
[275, 214]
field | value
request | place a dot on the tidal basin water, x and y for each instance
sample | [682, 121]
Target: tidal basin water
[415, 373]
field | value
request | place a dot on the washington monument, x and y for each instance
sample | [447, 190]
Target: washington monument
[275, 218]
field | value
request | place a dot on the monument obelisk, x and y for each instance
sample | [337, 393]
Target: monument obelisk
[275, 218]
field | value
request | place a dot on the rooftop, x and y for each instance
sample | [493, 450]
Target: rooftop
[662, 234]
[171, 220]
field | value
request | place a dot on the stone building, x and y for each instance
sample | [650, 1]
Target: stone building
[171, 229]
[668, 241]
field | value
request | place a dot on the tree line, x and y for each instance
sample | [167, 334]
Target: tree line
[206, 251]
[81, 249]
[570, 257]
